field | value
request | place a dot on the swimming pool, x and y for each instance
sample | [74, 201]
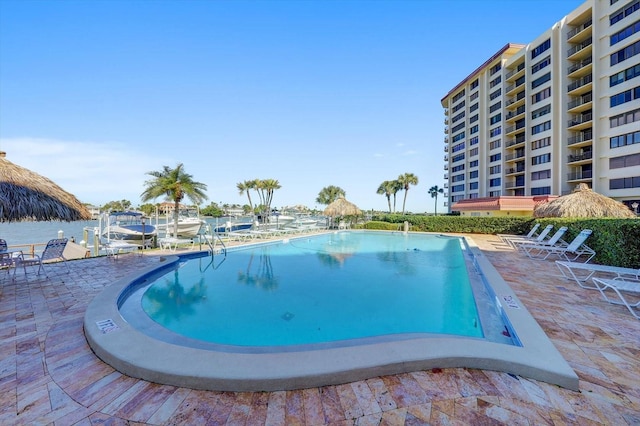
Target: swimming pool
[364, 314]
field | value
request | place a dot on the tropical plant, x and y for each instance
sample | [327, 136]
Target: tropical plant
[267, 188]
[387, 188]
[175, 185]
[406, 180]
[329, 194]
[245, 187]
[434, 191]
[115, 206]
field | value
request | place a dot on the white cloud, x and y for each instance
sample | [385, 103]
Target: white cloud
[95, 172]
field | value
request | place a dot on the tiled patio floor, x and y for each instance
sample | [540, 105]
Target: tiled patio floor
[48, 374]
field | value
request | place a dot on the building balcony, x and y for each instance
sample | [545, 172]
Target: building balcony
[512, 129]
[579, 122]
[511, 185]
[580, 33]
[580, 51]
[514, 156]
[580, 86]
[511, 88]
[514, 115]
[515, 142]
[446, 167]
[446, 203]
[581, 139]
[581, 157]
[580, 69]
[580, 175]
[446, 184]
[516, 101]
[583, 103]
[446, 158]
[515, 73]
[446, 148]
[446, 140]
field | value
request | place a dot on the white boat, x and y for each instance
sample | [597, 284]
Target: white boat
[187, 226]
[130, 227]
[280, 220]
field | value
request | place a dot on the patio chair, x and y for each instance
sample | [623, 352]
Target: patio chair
[556, 239]
[533, 233]
[569, 271]
[53, 251]
[620, 285]
[515, 240]
[570, 252]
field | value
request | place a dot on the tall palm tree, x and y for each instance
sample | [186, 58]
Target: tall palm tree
[406, 180]
[269, 186]
[245, 187]
[329, 194]
[434, 191]
[386, 188]
[175, 184]
[396, 187]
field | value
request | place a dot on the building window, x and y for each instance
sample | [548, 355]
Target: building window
[495, 132]
[540, 80]
[624, 140]
[543, 174]
[473, 163]
[494, 69]
[543, 94]
[625, 53]
[495, 94]
[473, 119]
[624, 161]
[473, 107]
[457, 127]
[457, 178]
[495, 193]
[495, 144]
[458, 147]
[457, 168]
[458, 107]
[457, 188]
[625, 75]
[457, 117]
[495, 119]
[541, 159]
[473, 96]
[457, 137]
[624, 118]
[495, 157]
[622, 34]
[494, 170]
[493, 83]
[624, 97]
[545, 45]
[473, 152]
[473, 185]
[473, 130]
[540, 112]
[540, 127]
[541, 190]
[495, 182]
[625, 183]
[540, 65]
[457, 158]
[473, 174]
[495, 107]
[474, 84]
[473, 140]
[540, 143]
[456, 198]
[623, 12]
[458, 96]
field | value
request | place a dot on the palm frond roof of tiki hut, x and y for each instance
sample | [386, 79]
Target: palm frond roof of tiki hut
[583, 202]
[342, 207]
[28, 196]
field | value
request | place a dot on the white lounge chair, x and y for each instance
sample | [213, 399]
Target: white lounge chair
[529, 247]
[533, 233]
[568, 270]
[570, 252]
[621, 286]
[53, 251]
[515, 240]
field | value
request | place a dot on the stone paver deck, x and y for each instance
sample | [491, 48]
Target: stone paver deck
[48, 374]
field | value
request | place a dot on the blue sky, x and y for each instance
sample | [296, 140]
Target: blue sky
[95, 93]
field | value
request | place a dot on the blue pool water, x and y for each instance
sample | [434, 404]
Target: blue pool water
[328, 288]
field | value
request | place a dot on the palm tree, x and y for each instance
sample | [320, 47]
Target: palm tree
[245, 187]
[434, 191]
[406, 180]
[396, 186]
[386, 188]
[175, 184]
[329, 194]
[269, 186]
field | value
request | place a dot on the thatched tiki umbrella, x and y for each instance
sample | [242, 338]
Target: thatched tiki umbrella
[25, 195]
[583, 202]
[342, 207]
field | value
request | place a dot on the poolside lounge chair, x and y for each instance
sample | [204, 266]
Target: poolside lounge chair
[568, 270]
[620, 286]
[532, 234]
[515, 240]
[53, 251]
[570, 252]
[556, 239]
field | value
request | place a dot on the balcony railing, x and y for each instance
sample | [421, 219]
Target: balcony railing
[446, 140]
[446, 167]
[584, 174]
[582, 137]
[514, 156]
[582, 100]
[588, 155]
[446, 148]
[579, 83]
[575, 67]
[579, 47]
[514, 71]
[579, 29]
[579, 119]
[515, 141]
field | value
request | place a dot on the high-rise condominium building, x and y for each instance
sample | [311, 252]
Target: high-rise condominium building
[563, 110]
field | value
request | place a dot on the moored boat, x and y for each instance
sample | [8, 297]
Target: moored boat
[128, 226]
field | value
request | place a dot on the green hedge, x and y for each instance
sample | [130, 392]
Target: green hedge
[616, 241]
